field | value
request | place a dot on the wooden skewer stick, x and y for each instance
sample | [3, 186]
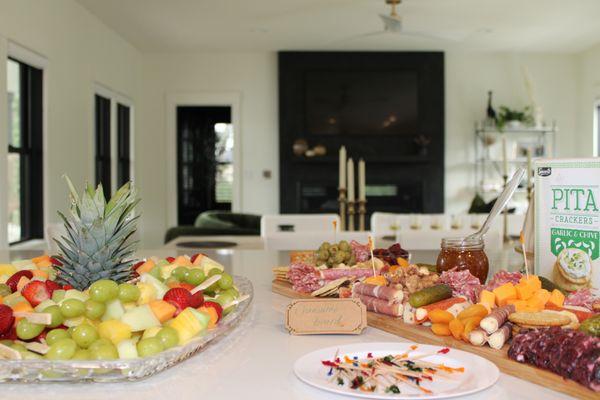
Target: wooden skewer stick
[239, 300]
[36, 318]
[36, 347]
[522, 240]
[9, 353]
[371, 247]
[205, 284]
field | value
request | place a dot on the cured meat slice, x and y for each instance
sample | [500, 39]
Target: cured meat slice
[337, 273]
[305, 278]
[463, 283]
[502, 277]
[581, 298]
[390, 294]
[381, 306]
[361, 251]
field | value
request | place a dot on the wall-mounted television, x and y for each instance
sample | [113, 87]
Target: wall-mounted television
[361, 102]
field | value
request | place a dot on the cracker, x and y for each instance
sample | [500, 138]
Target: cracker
[539, 319]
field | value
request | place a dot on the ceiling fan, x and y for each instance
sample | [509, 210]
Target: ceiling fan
[393, 24]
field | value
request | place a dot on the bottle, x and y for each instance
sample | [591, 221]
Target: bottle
[490, 113]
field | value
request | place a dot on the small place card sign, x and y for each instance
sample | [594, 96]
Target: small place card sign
[326, 316]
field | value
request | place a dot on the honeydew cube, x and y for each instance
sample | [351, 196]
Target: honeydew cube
[13, 299]
[140, 318]
[160, 287]
[208, 264]
[166, 270]
[127, 349]
[203, 318]
[44, 304]
[114, 310]
[76, 294]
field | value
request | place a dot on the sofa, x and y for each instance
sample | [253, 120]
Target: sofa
[218, 223]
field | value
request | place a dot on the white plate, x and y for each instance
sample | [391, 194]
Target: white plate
[479, 373]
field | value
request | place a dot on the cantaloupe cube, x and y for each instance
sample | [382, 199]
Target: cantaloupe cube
[22, 283]
[183, 261]
[556, 298]
[487, 298]
[37, 260]
[145, 267]
[163, 310]
[524, 291]
[520, 305]
[40, 273]
[504, 293]
[532, 281]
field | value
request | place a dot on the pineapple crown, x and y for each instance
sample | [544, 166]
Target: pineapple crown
[97, 244]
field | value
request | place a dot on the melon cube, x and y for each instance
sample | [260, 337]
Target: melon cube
[160, 287]
[163, 310]
[115, 331]
[140, 318]
[127, 349]
[114, 310]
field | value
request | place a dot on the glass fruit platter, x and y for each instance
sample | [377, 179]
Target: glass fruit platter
[31, 371]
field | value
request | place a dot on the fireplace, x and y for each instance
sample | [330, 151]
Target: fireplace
[342, 98]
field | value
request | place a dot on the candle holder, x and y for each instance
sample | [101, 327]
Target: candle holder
[505, 237]
[342, 201]
[362, 211]
[351, 212]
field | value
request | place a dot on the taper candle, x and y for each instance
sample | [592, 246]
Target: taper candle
[361, 180]
[342, 168]
[350, 174]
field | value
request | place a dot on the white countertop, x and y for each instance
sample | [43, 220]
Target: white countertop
[255, 361]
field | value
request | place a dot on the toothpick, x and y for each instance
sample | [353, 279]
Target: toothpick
[334, 231]
[239, 300]
[371, 247]
[522, 241]
[205, 284]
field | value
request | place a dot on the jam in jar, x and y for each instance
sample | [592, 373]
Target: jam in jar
[461, 253]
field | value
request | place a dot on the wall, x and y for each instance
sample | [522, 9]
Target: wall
[468, 78]
[254, 76]
[589, 62]
[80, 51]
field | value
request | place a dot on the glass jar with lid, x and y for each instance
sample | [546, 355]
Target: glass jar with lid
[460, 254]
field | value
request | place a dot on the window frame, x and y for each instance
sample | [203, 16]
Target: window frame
[115, 99]
[31, 149]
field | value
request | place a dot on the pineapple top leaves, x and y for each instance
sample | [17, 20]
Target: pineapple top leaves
[97, 244]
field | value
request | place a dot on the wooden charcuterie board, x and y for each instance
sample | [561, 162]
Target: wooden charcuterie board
[422, 334]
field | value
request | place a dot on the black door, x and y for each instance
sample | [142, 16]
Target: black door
[204, 161]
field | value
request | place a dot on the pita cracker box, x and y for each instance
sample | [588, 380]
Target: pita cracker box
[567, 222]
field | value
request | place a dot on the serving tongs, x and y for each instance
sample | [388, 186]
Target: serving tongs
[499, 205]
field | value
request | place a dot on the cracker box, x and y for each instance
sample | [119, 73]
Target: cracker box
[567, 222]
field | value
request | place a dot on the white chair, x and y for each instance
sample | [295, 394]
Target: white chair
[303, 231]
[384, 224]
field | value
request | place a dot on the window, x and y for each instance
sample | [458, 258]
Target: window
[25, 155]
[113, 130]
[103, 160]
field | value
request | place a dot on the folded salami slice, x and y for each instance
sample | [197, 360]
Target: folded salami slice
[381, 306]
[390, 294]
[336, 273]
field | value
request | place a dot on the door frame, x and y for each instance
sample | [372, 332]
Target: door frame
[201, 99]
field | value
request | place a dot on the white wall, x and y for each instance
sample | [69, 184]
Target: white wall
[80, 51]
[254, 76]
[589, 94]
[468, 78]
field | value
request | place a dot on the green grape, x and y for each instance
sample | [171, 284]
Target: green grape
[62, 349]
[214, 271]
[224, 298]
[84, 335]
[225, 282]
[334, 249]
[352, 260]
[214, 288]
[128, 292]
[82, 354]
[99, 343]
[195, 276]
[55, 335]
[325, 245]
[57, 317]
[168, 337]
[107, 351]
[27, 330]
[94, 309]
[149, 347]
[344, 245]
[104, 290]
[232, 291]
[339, 258]
[58, 295]
[180, 273]
[4, 290]
[72, 308]
[323, 255]
[155, 272]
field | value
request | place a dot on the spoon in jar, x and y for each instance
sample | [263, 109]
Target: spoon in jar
[499, 205]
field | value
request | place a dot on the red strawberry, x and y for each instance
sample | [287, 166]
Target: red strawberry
[179, 297]
[14, 279]
[54, 261]
[6, 318]
[197, 300]
[52, 286]
[67, 287]
[10, 334]
[170, 259]
[216, 306]
[35, 292]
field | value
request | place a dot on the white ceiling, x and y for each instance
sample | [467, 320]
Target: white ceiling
[232, 25]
